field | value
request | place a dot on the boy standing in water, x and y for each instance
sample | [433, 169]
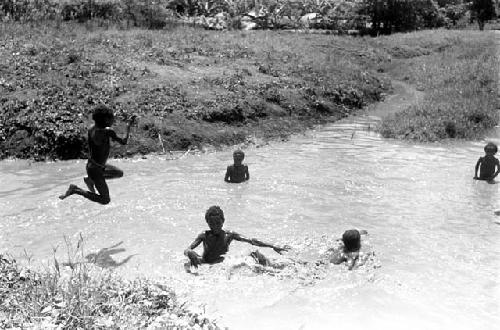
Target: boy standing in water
[216, 241]
[487, 164]
[237, 172]
[98, 171]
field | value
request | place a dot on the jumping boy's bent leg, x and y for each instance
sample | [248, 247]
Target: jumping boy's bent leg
[90, 184]
[103, 190]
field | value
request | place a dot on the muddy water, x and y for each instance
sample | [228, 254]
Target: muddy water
[432, 227]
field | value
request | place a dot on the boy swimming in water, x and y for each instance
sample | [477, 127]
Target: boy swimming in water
[348, 250]
[98, 171]
[216, 241]
[488, 166]
[237, 172]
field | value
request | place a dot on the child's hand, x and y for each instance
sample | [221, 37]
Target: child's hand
[281, 249]
[475, 178]
[132, 119]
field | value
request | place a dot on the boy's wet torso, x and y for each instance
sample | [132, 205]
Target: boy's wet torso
[215, 245]
[237, 173]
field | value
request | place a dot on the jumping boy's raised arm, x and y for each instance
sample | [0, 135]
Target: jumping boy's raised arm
[256, 242]
[122, 141]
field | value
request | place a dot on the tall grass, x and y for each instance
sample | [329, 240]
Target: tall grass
[78, 295]
[460, 86]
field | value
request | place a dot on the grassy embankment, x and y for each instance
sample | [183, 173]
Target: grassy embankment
[195, 88]
[460, 86]
[77, 294]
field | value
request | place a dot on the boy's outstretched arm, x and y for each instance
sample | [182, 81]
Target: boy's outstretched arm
[193, 256]
[256, 242]
[226, 177]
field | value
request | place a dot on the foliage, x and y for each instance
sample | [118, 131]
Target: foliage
[460, 87]
[77, 295]
[388, 16]
[455, 12]
[483, 10]
[194, 88]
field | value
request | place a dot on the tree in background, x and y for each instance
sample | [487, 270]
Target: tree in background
[483, 10]
[389, 16]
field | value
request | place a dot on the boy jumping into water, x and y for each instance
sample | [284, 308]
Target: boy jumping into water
[237, 172]
[98, 171]
[216, 241]
[487, 164]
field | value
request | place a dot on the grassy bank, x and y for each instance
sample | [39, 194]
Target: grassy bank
[195, 88]
[79, 296]
[460, 86]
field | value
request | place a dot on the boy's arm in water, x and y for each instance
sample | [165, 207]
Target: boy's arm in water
[247, 175]
[228, 174]
[256, 242]
[497, 164]
[479, 161]
[122, 141]
[194, 258]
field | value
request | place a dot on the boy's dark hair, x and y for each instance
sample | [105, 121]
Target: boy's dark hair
[214, 210]
[491, 147]
[352, 240]
[101, 113]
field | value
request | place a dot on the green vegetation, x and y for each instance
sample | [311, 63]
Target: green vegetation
[365, 16]
[193, 87]
[460, 86]
[77, 295]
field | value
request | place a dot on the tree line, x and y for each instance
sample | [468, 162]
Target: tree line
[373, 16]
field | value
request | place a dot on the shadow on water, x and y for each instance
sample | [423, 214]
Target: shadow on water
[103, 258]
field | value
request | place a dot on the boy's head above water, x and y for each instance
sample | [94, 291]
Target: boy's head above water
[103, 116]
[352, 240]
[238, 156]
[491, 148]
[215, 218]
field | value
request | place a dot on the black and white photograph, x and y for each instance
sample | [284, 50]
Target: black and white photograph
[249, 164]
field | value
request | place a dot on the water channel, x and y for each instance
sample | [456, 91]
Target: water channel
[431, 226]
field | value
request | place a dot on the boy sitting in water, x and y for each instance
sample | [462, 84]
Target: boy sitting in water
[98, 171]
[488, 166]
[348, 250]
[216, 241]
[237, 172]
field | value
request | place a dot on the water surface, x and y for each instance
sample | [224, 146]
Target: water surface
[432, 227]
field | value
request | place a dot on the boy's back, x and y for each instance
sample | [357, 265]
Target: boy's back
[488, 164]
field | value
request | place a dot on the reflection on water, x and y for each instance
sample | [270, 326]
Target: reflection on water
[431, 226]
